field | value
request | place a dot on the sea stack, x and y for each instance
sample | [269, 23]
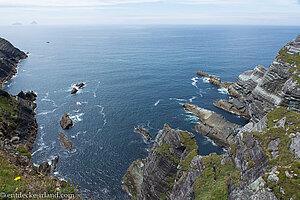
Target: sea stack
[66, 122]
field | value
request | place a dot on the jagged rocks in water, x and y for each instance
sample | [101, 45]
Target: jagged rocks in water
[45, 168]
[143, 132]
[213, 125]
[74, 91]
[65, 141]
[54, 163]
[213, 80]
[66, 122]
[80, 85]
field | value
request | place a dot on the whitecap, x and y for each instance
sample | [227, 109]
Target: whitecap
[77, 118]
[94, 92]
[176, 99]
[102, 113]
[157, 102]
[191, 99]
[195, 80]
[223, 90]
[47, 112]
[205, 79]
[78, 103]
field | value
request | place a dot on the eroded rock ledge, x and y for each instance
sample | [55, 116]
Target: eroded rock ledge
[262, 161]
[213, 125]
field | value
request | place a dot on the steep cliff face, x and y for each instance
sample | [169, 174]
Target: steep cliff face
[168, 161]
[262, 161]
[9, 57]
[258, 91]
[17, 116]
[18, 130]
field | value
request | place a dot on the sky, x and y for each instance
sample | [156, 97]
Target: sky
[207, 12]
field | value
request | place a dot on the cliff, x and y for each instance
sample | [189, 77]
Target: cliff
[18, 131]
[262, 158]
[9, 58]
[258, 91]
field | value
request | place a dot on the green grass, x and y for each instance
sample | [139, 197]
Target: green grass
[293, 60]
[35, 184]
[285, 160]
[24, 151]
[8, 108]
[205, 187]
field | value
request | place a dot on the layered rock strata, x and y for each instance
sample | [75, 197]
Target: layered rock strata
[262, 158]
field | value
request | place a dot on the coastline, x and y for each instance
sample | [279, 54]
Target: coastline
[257, 153]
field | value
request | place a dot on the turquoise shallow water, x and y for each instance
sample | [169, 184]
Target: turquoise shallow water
[135, 75]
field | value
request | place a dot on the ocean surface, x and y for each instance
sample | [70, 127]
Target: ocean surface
[134, 75]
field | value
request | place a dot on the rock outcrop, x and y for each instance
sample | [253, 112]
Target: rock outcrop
[9, 58]
[258, 91]
[167, 162]
[213, 125]
[18, 130]
[17, 119]
[262, 158]
[66, 122]
[143, 132]
[65, 141]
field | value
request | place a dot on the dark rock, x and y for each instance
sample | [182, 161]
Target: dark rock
[45, 168]
[65, 141]
[213, 125]
[9, 58]
[66, 122]
[74, 91]
[54, 163]
[150, 178]
[80, 85]
[143, 132]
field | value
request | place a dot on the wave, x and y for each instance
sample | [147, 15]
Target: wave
[77, 118]
[191, 99]
[223, 90]
[176, 99]
[103, 114]
[205, 80]
[157, 102]
[195, 80]
[47, 112]
[94, 92]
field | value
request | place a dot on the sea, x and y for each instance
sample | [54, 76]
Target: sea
[134, 75]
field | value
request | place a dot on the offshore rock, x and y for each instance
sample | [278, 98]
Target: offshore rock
[143, 132]
[74, 91]
[213, 125]
[66, 122]
[65, 141]
[213, 80]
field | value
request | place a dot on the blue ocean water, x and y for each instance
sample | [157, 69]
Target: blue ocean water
[135, 75]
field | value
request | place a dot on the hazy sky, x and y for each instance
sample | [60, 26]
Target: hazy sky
[249, 12]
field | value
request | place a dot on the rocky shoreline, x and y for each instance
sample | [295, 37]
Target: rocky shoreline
[262, 158]
[18, 131]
